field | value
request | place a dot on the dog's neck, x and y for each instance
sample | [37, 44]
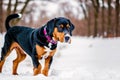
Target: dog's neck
[48, 37]
[43, 40]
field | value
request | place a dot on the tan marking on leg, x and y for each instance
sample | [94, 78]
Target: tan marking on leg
[40, 51]
[1, 65]
[3, 61]
[47, 63]
[20, 57]
[46, 68]
[37, 70]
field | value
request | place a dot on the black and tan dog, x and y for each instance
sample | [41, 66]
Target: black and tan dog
[34, 42]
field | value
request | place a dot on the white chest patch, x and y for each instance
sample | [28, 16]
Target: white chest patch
[47, 50]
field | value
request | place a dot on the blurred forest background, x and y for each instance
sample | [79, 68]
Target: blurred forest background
[94, 18]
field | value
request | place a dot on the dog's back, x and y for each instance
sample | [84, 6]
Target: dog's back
[19, 34]
[22, 36]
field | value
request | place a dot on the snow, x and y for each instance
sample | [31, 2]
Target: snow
[83, 59]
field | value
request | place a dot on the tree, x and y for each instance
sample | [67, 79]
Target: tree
[15, 6]
[9, 8]
[96, 12]
[88, 20]
[117, 18]
[82, 3]
[1, 17]
[103, 18]
[10, 11]
[21, 11]
[109, 27]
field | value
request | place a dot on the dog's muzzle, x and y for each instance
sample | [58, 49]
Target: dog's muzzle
[67, 38]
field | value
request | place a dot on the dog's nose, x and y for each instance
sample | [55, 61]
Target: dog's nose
[67, 38]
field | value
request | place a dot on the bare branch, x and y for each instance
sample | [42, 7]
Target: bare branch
[23, 9]
[15, 6]
[9, 8]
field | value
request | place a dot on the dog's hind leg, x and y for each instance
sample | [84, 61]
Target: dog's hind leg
[20, 57]
[4, 53]
[1, 65]
[5, 50]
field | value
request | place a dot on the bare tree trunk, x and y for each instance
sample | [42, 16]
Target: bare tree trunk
[88, 20]
[103, 19]
[96, 11]
[86, 14]
[109, 28]
[1, 17]
[83, 9]
[117, 18]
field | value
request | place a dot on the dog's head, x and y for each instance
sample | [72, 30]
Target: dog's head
[61, 29]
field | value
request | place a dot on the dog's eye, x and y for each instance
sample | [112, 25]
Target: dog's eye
[68, 26]
[61, 26]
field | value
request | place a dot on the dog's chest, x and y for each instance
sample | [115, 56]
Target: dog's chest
[44, 52]
[47, 52]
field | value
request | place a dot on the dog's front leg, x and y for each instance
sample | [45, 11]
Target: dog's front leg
[36, 64]
[48, 62]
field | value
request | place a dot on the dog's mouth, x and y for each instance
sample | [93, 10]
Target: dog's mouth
[56, 39]
[60, 39]
[65, 39]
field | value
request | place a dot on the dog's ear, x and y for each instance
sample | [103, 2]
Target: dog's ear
[50, 26]
[71, 27]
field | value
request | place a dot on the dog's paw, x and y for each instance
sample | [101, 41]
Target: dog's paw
[15, 73]
[45, 72]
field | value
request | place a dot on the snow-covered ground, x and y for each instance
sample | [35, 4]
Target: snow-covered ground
[84, 59]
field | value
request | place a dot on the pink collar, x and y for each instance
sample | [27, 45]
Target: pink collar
[48, 37]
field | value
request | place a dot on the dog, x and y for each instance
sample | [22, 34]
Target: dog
[35, 42]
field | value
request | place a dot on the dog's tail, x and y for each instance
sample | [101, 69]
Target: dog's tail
[9, 18]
